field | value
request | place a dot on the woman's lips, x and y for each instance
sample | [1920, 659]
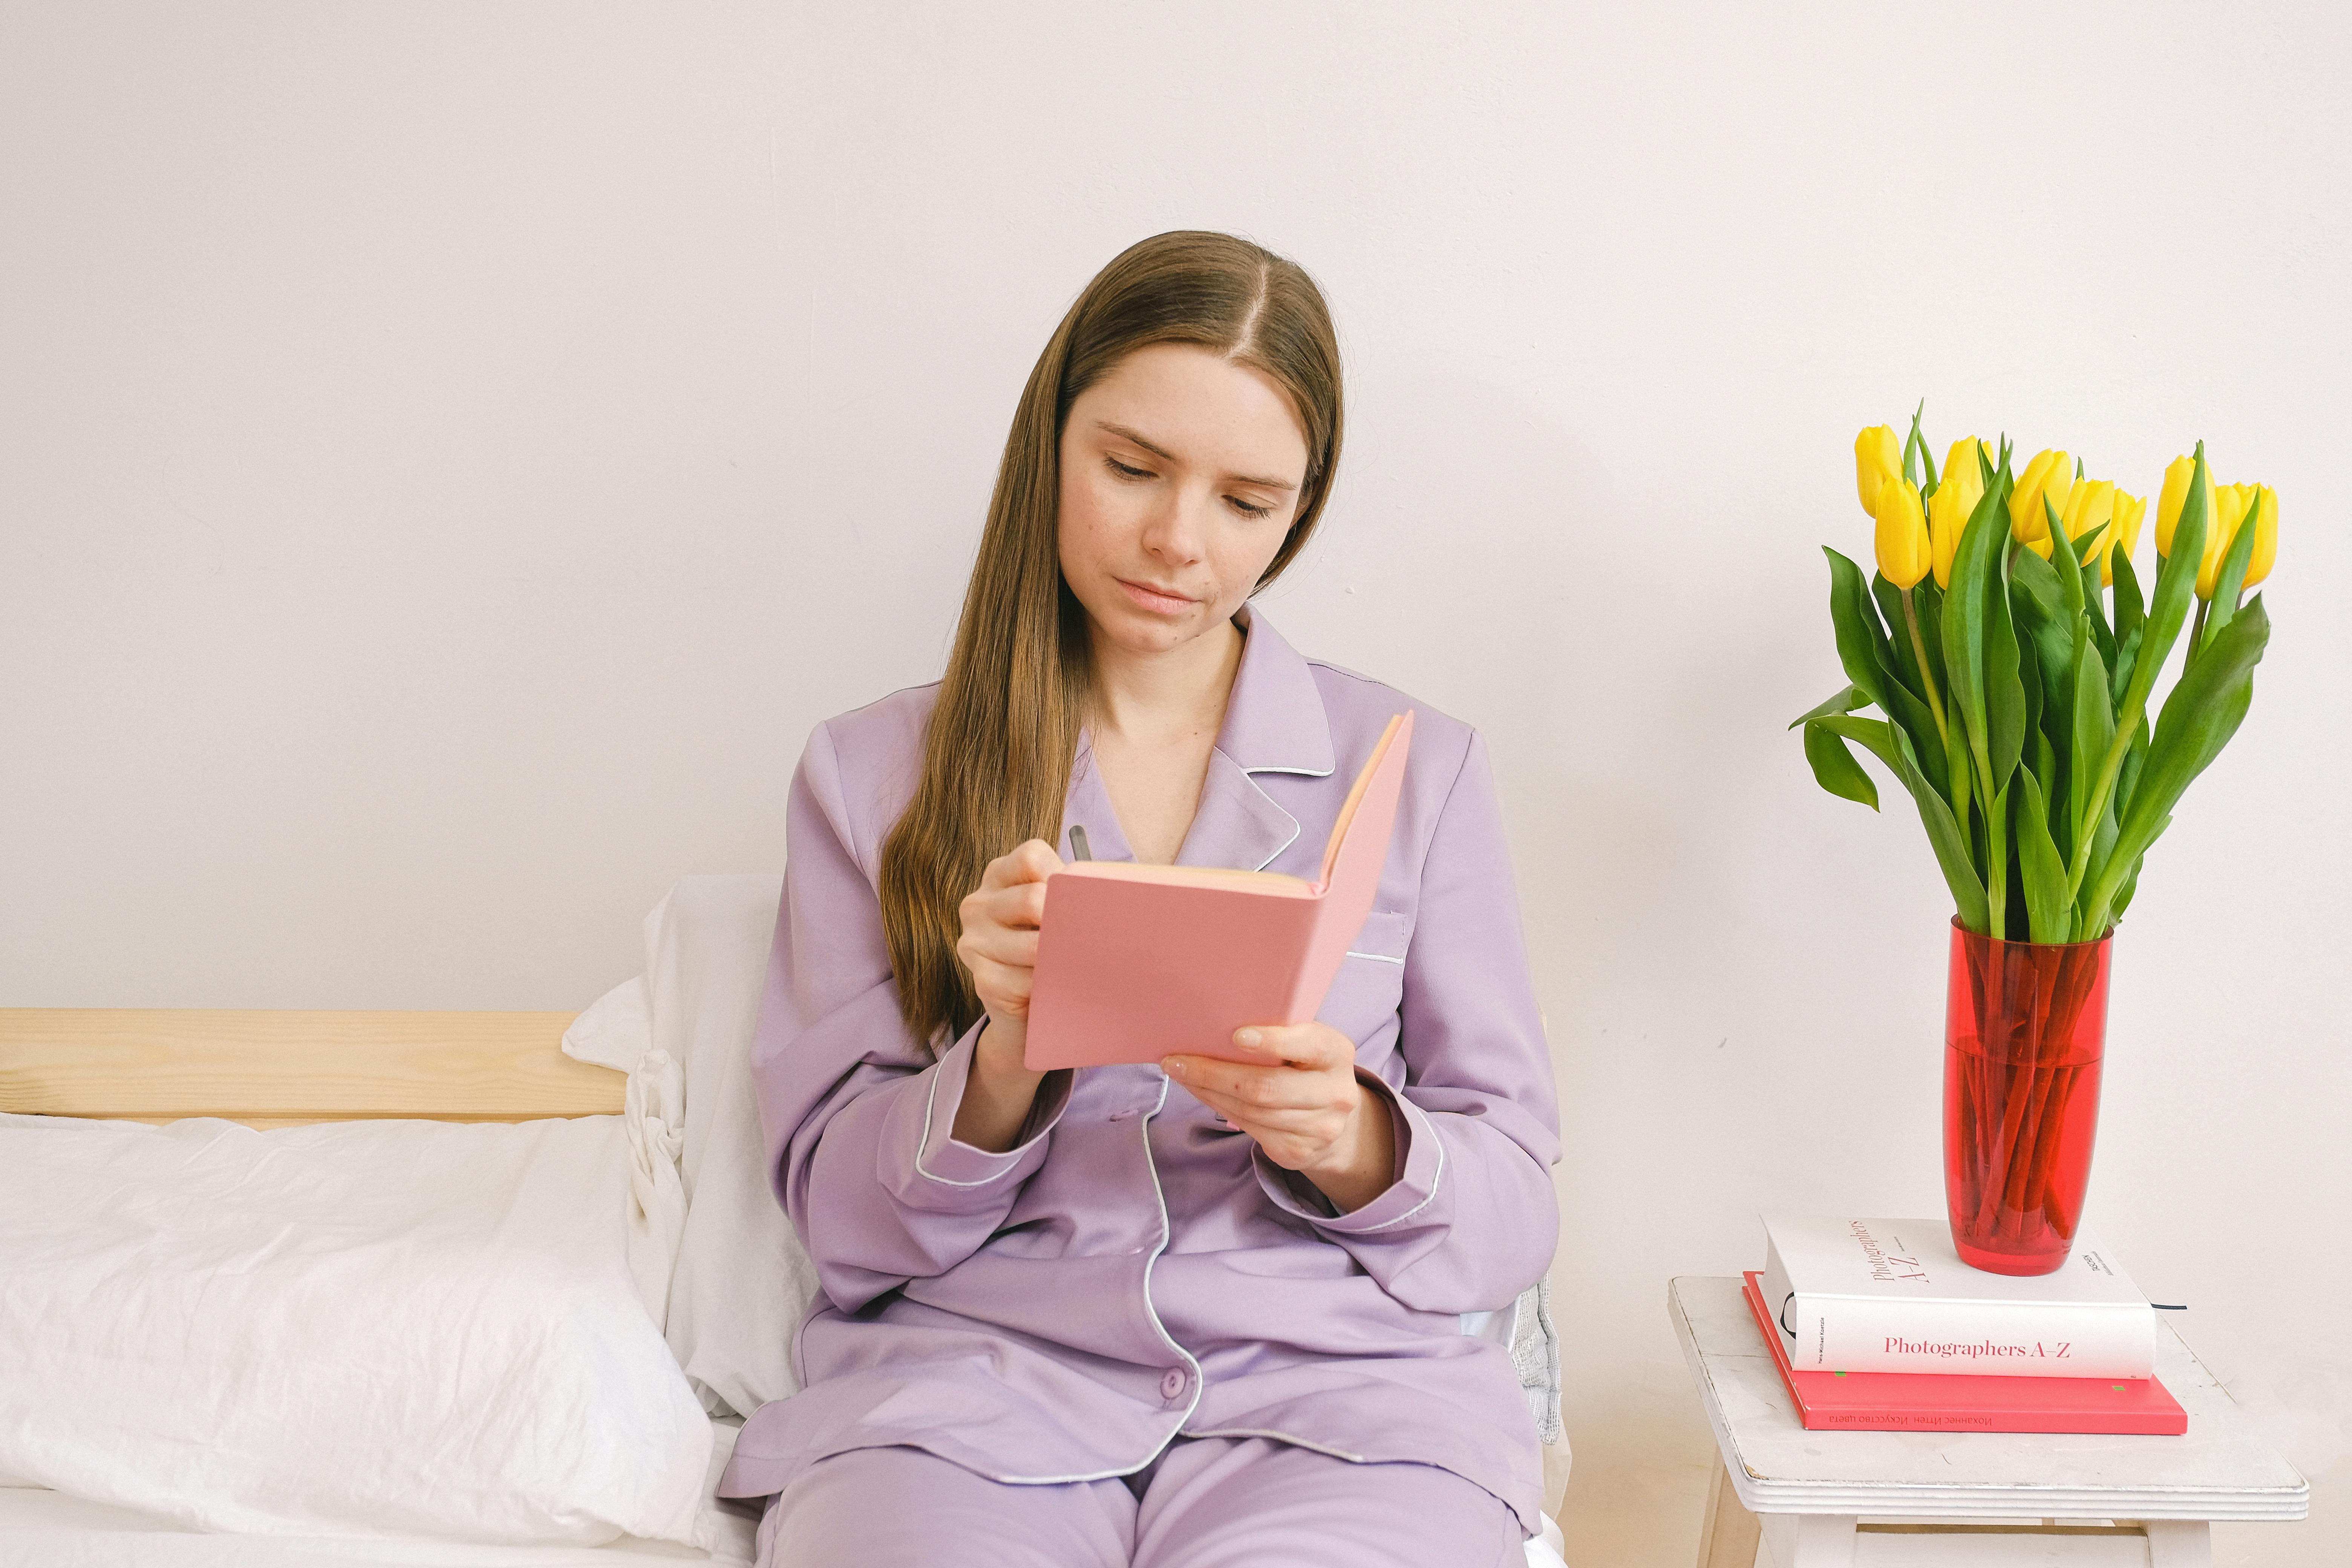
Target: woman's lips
[1158, 601]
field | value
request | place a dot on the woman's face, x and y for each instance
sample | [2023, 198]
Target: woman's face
[1180, 474]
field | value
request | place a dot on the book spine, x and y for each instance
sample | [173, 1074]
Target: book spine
[1838, 1333]
[2147, 1422]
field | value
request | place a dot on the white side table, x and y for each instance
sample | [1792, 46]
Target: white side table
[1795, 1498]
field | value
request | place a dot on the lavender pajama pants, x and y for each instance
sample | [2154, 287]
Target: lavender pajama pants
[1205, 1502]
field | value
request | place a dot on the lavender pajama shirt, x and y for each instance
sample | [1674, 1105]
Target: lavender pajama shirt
[1133, 1272]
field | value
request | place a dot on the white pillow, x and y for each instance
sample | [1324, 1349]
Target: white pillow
[743, 1281]
[617, 1032]
[371, 1328]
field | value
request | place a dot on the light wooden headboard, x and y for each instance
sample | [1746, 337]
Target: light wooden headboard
[289, 1069]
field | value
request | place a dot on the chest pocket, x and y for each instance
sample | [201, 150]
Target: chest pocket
[1370, 982]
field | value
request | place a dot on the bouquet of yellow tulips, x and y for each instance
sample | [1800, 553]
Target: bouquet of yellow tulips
[2015, 686]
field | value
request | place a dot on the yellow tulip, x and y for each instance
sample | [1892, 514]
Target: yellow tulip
[1962, 458]
[1949, 508]
[2174, 495]
[2122, 532]
[1903, 548]
[1877, 457]
[2026, 521]
[2266, 535]
[2234, 507]
[2229, 504]
[2089, 509]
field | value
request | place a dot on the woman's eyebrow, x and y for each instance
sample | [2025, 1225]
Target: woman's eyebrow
[1125, 433]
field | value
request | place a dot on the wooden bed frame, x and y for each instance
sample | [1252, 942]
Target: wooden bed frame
[286, 1068]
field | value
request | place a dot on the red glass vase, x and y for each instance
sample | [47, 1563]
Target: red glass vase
[2024, 1032]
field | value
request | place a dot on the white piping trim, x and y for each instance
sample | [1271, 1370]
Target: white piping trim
[1247, 772]
[1278, 768]
[1158, 1197]
[1200, 1383]
[1376, 957]
[1284, 845]
[1436, 1181]
[1010, 1156]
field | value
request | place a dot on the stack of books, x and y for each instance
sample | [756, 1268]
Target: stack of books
[1877, 1326]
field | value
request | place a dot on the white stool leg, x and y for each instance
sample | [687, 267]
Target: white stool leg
[2178, 1543]
[1727, 1536]
[1808, 1539]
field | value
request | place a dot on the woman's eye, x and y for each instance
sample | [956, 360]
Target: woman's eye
[1246, 509]
[1123, 471]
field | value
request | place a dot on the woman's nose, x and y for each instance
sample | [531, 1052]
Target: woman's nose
[1173, 532]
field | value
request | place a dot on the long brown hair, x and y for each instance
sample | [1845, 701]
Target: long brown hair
[997, 753]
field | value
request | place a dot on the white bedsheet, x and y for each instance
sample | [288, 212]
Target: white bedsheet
[43, 1528]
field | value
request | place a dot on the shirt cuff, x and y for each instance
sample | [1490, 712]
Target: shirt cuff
[945, 1158]
[1420, 1159]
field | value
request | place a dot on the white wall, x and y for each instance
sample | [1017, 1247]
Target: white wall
[449, 455]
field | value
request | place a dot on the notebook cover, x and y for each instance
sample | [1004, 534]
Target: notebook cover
[1130, 969]
[1929, 1402]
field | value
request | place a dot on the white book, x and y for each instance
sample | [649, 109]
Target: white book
[1891, 1295]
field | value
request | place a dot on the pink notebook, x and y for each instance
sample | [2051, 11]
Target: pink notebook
[1931, 1402]
[1136, 962]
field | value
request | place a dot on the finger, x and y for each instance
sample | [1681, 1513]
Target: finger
[1032, 861]
[1315, 1046]
[1020, 905]
[1001, 944]
[1276, 1122]
[1003, 987]
[1255, 1090]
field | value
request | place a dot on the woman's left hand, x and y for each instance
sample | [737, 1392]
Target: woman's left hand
[1298, 1096]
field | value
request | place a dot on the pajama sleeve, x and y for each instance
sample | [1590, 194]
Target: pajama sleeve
[1470, 1219]
[856, 1115]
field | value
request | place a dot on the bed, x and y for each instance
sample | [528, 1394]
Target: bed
[520, 1135]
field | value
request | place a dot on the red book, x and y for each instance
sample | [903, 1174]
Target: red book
[1932, 1402]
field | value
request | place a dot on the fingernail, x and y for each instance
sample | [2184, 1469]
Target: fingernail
[1245, 1037]
[1176, 1067]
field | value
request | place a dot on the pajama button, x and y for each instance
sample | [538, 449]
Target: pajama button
[1173, 1386]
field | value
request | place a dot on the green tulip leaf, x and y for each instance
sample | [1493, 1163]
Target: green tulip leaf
[2130, 611]
[2094, 727]
[2028, 680]
[1863, 649]
[1843, 702]
[2202, 713]
[2004, 688]
[2046, 763]
[1861, 640]
[2040, 612]
[2233, 580]
[1981, 537]
[1927, 603]
[2041, 872]
[2131, 882]
[2095, 609]
[2127, 777]
[1899, 652]
[2127, 652]
[2176, 586]
[2062, 556]
[1834, 768]
[1892, 747]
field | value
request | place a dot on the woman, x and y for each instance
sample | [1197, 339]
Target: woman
[1204, 1311]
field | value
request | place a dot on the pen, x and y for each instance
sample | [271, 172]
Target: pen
[1078, 850]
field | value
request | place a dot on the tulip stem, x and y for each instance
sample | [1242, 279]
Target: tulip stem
[2196, 636]
[1927, 674]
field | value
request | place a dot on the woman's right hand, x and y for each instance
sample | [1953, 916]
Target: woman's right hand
[998, 945]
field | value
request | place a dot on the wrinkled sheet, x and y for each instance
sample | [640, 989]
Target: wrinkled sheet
[42, 1529]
